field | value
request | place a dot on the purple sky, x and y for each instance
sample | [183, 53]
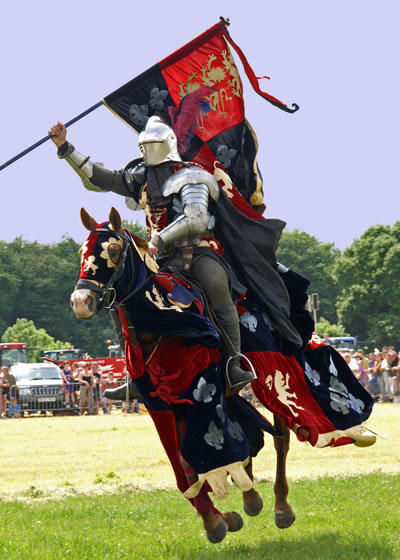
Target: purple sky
[330, 169]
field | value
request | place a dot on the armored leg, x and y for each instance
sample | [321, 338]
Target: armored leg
[125, 392]
[229, 320]
[213, 280]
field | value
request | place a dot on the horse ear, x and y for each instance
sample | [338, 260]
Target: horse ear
[87, 220]
[115, 219]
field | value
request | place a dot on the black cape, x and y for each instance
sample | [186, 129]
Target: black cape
[249, 248]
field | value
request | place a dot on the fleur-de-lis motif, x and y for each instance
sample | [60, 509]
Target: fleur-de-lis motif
[339, 396]
[357, 404]
[204, 391]
[249, 321]
[214, 436]
[157, 97]
[225, 155]
[235, 430]
[339, 404]
[138, 114]
[312, 375]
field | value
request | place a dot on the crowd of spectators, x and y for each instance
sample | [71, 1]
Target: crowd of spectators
[84, 389]
[378, 372]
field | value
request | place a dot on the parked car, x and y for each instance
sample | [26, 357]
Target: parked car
[39, 387]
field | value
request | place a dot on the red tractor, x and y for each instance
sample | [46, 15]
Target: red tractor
[114, 362]
[13, 353]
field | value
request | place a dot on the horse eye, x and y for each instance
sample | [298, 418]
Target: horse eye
[114, 253]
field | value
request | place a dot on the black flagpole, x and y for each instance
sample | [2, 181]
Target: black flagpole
[22, 154]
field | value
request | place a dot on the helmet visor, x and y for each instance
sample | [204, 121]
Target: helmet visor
[154, 151]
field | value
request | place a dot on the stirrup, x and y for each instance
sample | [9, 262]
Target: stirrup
[245, 379]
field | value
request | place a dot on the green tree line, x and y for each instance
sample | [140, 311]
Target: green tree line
[358, 288]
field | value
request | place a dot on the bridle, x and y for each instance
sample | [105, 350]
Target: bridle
[106, 295]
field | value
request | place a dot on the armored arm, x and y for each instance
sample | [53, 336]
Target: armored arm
[94, 176]
[194, 186]
[97, 178]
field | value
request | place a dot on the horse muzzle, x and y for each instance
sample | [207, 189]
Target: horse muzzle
[84, 303]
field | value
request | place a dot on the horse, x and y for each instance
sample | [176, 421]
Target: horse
[173, 357]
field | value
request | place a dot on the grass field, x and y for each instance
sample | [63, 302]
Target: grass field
[355, 518]
[115, 497]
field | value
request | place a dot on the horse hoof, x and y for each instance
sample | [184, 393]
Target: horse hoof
[284, 519]
[364, 441]
[219, 533]
[238, 522]
[254, 508]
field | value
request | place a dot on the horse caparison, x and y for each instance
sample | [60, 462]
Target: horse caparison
[180, 376]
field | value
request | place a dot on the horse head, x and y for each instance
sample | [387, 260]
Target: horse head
[107, 256]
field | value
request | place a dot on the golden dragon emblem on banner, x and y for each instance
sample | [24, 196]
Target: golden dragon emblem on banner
[212, 74]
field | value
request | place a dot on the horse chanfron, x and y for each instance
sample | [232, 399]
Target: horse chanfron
[100, 264]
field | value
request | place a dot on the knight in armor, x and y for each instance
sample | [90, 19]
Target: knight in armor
[179, 199]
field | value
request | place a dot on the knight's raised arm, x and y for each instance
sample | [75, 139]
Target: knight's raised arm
[96, 177]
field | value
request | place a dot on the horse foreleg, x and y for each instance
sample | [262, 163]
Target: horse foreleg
[252, 502]
[284, 515]
[215, 523]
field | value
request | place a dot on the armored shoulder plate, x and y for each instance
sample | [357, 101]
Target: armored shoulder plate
[190, 176]
[136, 171]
